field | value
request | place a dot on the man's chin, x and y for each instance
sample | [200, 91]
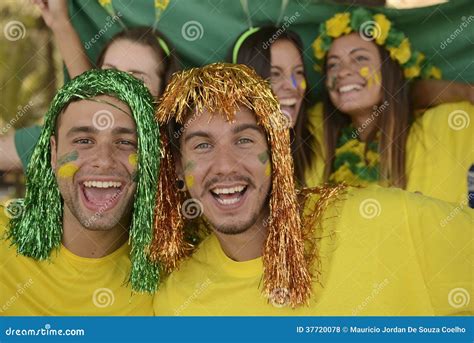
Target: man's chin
[233, 227]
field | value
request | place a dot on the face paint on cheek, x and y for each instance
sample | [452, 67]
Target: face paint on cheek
[365, 73]
[189, 178]
[67, 170]
[372, 77]
[332, 83]
[264, 158]
[69, 157]
[133, 161]
[66, 167]
[303, 85]
[293, 81]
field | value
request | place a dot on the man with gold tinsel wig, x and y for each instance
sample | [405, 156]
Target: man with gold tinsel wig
[275, 251]
[76, 244]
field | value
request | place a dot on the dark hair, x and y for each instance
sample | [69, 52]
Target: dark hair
[255, 52]
[393, 124]
[147, 36]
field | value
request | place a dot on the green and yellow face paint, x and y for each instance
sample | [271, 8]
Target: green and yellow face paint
[133, 161]
[188, 177]
[373, 77]
[264, 158]
[66, 166]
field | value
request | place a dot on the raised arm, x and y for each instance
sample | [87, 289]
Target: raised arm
[56, 17]
[10, 161]
[429, 93]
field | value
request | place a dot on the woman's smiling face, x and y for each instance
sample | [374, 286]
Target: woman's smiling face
[353, 74]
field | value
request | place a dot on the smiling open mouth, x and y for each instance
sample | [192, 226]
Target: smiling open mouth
[101, 195]
[349, 88]
[228, 196]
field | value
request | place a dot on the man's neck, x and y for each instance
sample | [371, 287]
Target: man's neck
[89, 243]
[244, 246]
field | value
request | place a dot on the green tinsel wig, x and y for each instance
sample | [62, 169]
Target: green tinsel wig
[38, 230]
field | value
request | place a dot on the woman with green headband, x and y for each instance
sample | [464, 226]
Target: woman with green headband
[370, 132]
[280, 61]
[277, 55]
[142, 51]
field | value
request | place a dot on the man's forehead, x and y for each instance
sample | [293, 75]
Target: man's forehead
[102, 112]
[216, 124]
[101, 101]
[205, 116]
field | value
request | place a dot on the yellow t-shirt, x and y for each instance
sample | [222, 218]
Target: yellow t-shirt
[67, 285]
[440, 150]
[314, 176]
[387, 252]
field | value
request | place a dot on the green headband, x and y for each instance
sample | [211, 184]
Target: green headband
[160, 6]
[241, 40]
[379, 29]
[164, 46]
[38, 230]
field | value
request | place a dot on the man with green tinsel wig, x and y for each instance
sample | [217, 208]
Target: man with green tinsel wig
[76, 244]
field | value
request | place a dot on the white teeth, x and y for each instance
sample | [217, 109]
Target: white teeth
[236, 189]
[348, 88]
[228, 201]
[288, 102]
[102, 184]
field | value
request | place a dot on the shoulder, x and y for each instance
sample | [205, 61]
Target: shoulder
[455, 119]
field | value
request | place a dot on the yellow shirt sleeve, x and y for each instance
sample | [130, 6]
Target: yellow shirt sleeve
[440, 151]
[315, 174]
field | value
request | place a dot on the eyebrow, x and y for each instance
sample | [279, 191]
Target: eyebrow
[351, 52]
[92, 129]
[296, 66]
[242, 127]
[196, 134]
[81, 129]
[133, 71]
[129, 71]
[237, 129]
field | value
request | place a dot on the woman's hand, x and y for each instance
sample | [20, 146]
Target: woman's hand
[54, 12]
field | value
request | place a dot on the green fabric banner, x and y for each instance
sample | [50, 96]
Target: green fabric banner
[203, 31]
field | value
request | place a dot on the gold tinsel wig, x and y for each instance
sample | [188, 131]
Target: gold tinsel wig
[222, 88]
